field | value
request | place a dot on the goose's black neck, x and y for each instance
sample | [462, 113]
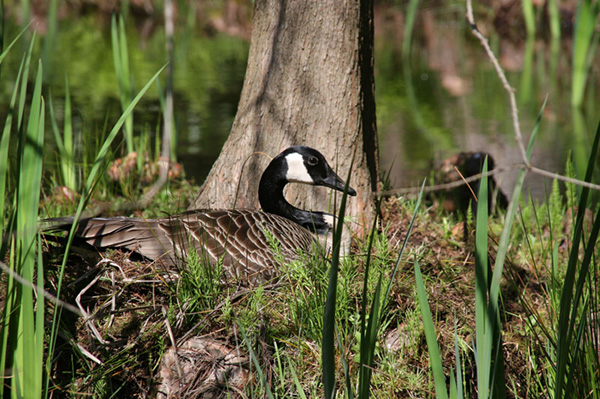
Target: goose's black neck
[270, 195]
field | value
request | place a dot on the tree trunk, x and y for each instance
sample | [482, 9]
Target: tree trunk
[309, 81]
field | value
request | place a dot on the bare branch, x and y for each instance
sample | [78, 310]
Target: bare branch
[509, 89]
[496, 171]
[445, 186]
[564, 178]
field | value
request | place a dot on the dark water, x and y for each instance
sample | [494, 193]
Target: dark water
[446, 98]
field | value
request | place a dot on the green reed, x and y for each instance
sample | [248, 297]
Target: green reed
[584, 44]
[576, 335]
[65, 142]
[124, 77]
[22, 329]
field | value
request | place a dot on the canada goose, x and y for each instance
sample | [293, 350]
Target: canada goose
[240, 238]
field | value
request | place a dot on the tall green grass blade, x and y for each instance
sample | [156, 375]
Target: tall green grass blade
[349, 390]
[529, 16]
[459, 372]
[297, 384]
[366, 333]
[259, 371]
[490, 362]
[2, 32]
[411, 15]
[40, 334]
[24, 81]
[526, 86]
[585, 21]
[370, 329]
[10, 46]
[581, 143]
[483, 319]
[4, 147]
[280, 373]
[578, 320]
[64, 142]
[452, 393]
[121, 62]
[126, 79]
[50, 36]
[405, 243]
[554, 16]
[368, 343]
[10, 304]
[27, 361]
[510, 215]
[68, 167]
[492, 340]
[328, 343]
[55, 130]
[569, 304]
[435, 357]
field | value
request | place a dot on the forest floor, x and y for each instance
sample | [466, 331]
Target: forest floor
[135, 313]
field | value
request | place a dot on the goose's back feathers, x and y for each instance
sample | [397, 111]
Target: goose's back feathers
[244, 240]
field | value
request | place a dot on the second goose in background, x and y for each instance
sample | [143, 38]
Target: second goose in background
[238, 237]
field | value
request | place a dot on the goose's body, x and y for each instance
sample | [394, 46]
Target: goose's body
[242, 239]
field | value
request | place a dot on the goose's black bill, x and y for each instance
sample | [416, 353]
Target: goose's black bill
[334, 181]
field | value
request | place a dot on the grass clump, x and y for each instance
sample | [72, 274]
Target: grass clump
[200, 287]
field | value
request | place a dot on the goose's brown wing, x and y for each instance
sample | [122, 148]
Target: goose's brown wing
[245, 240]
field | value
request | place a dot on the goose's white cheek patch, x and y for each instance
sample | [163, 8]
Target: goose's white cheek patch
[297, 170]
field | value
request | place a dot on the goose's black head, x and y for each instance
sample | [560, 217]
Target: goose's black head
[298, 164]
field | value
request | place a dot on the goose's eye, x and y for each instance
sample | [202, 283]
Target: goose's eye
[312, 161]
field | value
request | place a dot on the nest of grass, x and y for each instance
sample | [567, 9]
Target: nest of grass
[129, 316]
[203, 367]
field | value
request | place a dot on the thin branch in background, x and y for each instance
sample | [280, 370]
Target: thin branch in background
[564, 178]
[470, 179]
[509, 89]
[445, 186]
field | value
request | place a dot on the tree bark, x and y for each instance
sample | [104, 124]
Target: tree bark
[309, 81]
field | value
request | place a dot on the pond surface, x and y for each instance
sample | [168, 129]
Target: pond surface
[447, 98]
